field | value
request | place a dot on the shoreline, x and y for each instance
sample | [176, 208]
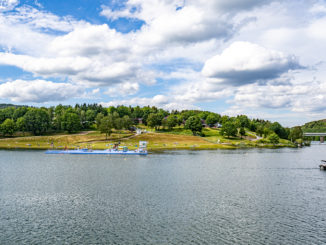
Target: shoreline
[159, 149]
[156, 142]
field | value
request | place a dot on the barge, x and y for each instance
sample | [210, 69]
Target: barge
[116, 150]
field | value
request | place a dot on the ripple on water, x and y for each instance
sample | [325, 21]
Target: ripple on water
[206, 197]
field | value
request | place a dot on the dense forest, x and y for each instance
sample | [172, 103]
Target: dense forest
[315, 126]
[62, 118]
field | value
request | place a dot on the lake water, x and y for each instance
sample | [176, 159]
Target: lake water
[255, 196]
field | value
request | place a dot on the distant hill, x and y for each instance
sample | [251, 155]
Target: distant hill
[315, 126]
[2, 106]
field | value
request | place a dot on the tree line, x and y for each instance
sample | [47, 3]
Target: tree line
[63, 118]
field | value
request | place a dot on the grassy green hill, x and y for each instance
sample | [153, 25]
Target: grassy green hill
[315, 126]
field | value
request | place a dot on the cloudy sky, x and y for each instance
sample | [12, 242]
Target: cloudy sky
[262, 58]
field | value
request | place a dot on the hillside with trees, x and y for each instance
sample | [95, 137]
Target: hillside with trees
[213, 127]
[315, 126]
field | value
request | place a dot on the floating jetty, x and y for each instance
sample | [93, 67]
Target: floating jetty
[117, 150]
[98, 152]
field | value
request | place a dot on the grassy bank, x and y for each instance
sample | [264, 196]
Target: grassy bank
[70, 141]
[94, 140]
[161, 140]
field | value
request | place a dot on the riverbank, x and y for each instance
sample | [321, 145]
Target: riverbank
[156, 141]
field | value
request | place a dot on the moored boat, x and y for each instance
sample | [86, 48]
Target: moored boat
[323, 165]
[98, 152]
[122, 150]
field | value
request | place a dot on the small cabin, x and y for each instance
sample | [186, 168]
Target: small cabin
[217, 125]
[139, 120]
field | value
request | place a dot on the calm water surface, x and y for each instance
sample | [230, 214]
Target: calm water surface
[257, 196]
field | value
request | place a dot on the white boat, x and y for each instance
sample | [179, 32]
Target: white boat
[98, 152]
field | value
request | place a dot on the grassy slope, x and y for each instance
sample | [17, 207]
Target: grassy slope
[212, 135]
[59, 141]
[177, 138]
[157, 141]
[160, 141]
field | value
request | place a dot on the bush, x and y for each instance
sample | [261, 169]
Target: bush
[274, 138]
[262, 141]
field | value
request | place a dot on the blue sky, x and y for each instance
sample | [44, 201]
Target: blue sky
[262, 58]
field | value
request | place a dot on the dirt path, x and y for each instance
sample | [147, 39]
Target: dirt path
[119, 139]
[84, 132]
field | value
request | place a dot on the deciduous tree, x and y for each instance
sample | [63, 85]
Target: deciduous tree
[106, 125]
[21, 124]
[71, 122]
[8, 127]
[242, 132]
[171, 121]
[126, 121]
[98, 119]
[37, 121]
[295, 133]
[153, 120]
[212, 119]
[194, 124]
[229, 129]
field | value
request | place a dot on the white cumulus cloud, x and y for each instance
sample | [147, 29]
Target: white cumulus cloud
[257, 43]
[38, 91]
[6, 5]
[128, 88]
[245, 62]
[293, 97]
